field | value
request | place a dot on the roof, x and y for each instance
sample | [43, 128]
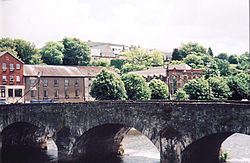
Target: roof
[2, 53]
[93, 44]
[161, 71]
[62, 71]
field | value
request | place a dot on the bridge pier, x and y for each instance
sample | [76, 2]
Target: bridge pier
[170, 151]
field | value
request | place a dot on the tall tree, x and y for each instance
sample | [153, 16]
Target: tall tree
[219, 87]
[76, 52]
[159, 89]
[222, 56]
[107, 86]
[210, 52]
[233, 59]
[176, 55]
[192, 48]
[136, 86]
[223, 67]
[52, 53]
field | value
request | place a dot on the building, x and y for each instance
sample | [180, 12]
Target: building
[106, 51]
[58, 83]
[11, 80]
[178, 75]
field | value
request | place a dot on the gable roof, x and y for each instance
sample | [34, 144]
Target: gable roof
[2, 53]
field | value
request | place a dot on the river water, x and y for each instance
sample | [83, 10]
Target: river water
[138, 149]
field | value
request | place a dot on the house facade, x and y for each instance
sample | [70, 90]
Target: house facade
[11, 78]
[176, 76]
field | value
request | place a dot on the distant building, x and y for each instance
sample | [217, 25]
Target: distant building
[106, 51]
[178, 75]
[11, 80]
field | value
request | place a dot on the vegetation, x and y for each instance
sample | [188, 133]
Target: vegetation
[159, 89]
[107, 86]
[197, 89]
[136, 86]
[181, 95]
[220, 89]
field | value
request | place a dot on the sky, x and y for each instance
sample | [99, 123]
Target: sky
[222, 25]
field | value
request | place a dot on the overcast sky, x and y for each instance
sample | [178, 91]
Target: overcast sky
[163, 24]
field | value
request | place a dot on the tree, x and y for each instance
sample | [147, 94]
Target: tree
[197, 89]
[191, 48]
[76, 52]
[239, 85]
[107, 86]
[222, 56]
[244, 60]
[25, 50]
[52, 53]
[211, 71]
[194, 61]
[159, 89]
[36, 59]
[136, 86]
[233, 59]
[117, 63]
[101, 62]
[219, 87]
[223, 67]
[210, 52]
[181, 95]
[156, 58]
[176, 55]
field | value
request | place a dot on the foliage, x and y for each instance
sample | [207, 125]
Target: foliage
[156, 58]
[159, 89]
[239, 85]
[181, 95]
[197, 89]
[136, 86]
[23, 49]
[107, 86]
[176, 55]
[193, 60]
[233, 59]
[52, 53]
[223, 156]
[222, 56]
[191, 48]
[244, 61]
[76, 52]
[117, 63]
[211, 71]
[127, 67]
[36, 59]
[101, 62]
[219, 87]
[210, 52]
[223, 67]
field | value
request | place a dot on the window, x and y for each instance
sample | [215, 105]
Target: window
[32, 82]
[11, 79]
[76, 82]
[18, 66]
[45, 93]
[32, 93]
[10, 92]
[4, 68]
[18, 92]
[56, 83]
[56, 93]
[66, 82]
[4, 78]
[66, 93]
[18, 78]
[11, 67]
[77, 92]
[45, 82]
[2, 92]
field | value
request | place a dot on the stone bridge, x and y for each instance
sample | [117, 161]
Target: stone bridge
[183, 132]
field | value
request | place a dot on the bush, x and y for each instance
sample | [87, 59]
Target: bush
[159, 89]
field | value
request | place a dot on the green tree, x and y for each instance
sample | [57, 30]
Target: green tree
[117, 63]
[222, 56]
[244, 60]
[210, 52]
[36, 59]
[197, 89]
[176, 55]
[107, 86]
[159, 89]
[239, 85]
[219, 87]
[181, 95]
[25, 50]
[191, 48]
[101, 62]
[76, 52]
[233, 59]
[223, 67]
[194, 61]
[136, 86]
[52, 53]
[211, 71]
[156, 58]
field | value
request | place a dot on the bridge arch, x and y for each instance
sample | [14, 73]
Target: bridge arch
[103, 141]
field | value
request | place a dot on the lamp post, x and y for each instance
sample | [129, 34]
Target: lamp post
[166, 64]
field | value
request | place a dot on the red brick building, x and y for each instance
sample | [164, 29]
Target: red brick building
[11, 78]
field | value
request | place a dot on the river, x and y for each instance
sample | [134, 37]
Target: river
[138, 149]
